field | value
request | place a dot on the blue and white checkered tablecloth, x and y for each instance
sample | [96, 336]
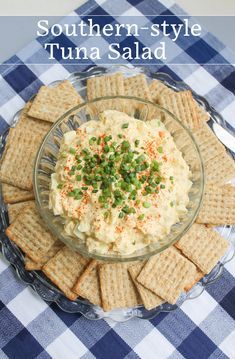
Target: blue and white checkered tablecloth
[201, 328]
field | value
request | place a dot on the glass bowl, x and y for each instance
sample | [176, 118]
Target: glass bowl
[142, 110]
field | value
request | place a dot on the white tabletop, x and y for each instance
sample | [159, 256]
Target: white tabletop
[224, 30]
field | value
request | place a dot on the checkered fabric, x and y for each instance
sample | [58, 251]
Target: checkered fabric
[201, 328]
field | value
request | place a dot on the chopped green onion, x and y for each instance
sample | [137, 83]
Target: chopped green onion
[92, 140]
[85, 151]
[148, 189]
[63, 154]
[140, 159]
[125, 125]
[158, 180]
[162, 186]
[72, 151]
[132, 210]
[107, 138]
[106, 214]
[125, 145]
[125, 209]
[106, 148]
[78, 196]
[155, 166]
[137, 142]
[146, 204]
[160, 149]
[78, 177]
[141, 216]
[121, 215]
[102, 199]
[60, 185]
[78, 159]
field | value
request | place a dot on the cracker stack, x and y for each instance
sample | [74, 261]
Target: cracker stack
[150, 299]
[166, 274]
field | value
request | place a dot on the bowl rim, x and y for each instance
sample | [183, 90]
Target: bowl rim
[118, 258]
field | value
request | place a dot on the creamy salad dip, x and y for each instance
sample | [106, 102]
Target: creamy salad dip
[120, 183]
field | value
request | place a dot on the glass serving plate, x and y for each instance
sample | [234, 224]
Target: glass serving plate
[42, 285]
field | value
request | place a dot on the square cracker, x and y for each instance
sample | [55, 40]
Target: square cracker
[208, 143]
[150, 299]
[52, 102]
[203, 246]
[15, 209]
[166, 274]
[193, 280]
[64, 269]
[184, 107]
[32, 265]
[23, 142]
[218, 205]
[137, 86]
[33, 124]
[204, 114]
[117, 288]
[220, 169]
[29, 233]
[108, 85]
[158, 89]
[12, 194]
[88, 285]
